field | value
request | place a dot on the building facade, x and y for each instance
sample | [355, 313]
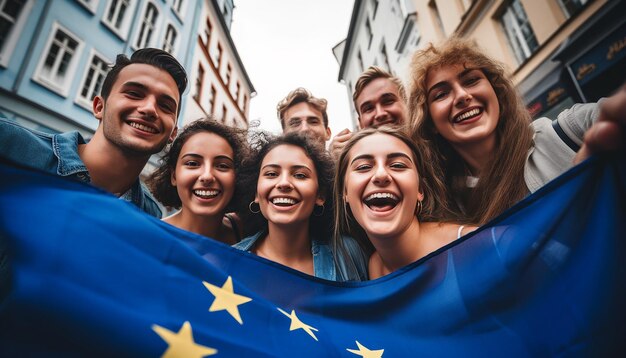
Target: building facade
[559, 52]
[381, 33]
[54, 54]
[220, 86]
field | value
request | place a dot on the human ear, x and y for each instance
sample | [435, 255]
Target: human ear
[173, 178]
[173, 135]
[320, 201]
[420, 196]
[98, 107]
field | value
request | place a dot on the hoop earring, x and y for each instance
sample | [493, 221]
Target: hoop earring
[419, 208]
[318, 213]
[250, 207]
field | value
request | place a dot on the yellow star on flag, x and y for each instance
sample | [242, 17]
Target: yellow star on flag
[181, 343]
[226, 299]
[365, 352]
[296, 323]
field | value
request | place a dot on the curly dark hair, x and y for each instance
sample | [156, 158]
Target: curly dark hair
[160, 181]
[261, 144]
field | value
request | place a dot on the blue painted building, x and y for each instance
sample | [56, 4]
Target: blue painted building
[54, 54]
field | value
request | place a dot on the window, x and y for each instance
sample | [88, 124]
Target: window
[59, 59]
[117, 16]
[207, 33]
[237, 91]
[360, 59]
[434, 11]
[147, 27]
[170, 39]
[409, 36]
[218, 56]
[199, 81]
[370, 35]
[89, 4]
[212, 100]
[375, 9]
[383, 54]
[244, 104]
[518, 31]
[177, 5]
[229, 72]
[224, 113]
[13, 14]
[225, 12]
[92, 80]
[571, 7]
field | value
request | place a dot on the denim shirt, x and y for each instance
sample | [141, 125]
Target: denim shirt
[58, 154]
[323, 261]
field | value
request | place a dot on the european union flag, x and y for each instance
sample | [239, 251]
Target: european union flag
[92, 275]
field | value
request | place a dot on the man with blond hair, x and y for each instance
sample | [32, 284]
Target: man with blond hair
[379, 99]
[300, 111]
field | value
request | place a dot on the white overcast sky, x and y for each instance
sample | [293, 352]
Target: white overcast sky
[285, 44]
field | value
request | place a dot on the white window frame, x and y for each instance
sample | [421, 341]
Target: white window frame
[140, 21]
[122, 32]
[80, 100]
[60, 87]
[180, 13]
[384, 55]
[89, 5]
[175, 42]
[566, 11]
[11, 42]
[515, 34]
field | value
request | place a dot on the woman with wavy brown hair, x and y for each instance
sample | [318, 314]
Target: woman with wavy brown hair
[385, 200]
[486, 151]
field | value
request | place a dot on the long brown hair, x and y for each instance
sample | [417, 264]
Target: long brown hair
[432, 206]
[501, 183]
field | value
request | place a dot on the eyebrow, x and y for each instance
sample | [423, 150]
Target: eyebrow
[194, 155]
[145, 88]
[443, 83]
[389, 156]
[292, 167]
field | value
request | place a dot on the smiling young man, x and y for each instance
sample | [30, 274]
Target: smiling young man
[379, 99]
[301, 112]
[137, 109]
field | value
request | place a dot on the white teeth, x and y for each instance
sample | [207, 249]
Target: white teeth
[206, 193]
[283, 201]
[381, 196]
[142, 127]
[468, 114]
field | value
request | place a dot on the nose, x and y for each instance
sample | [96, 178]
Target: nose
[284, 184]
[148, 107]
[381, 176]
[207, 175]
[462, 96]
[380, 113]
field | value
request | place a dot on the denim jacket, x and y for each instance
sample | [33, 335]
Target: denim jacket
[323, 258]
[58, 154]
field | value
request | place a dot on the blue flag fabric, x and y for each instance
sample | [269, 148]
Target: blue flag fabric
[91, 275]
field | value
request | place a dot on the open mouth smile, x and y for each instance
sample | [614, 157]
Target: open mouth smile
[206, 193]
[381, 201]
[470, 114]
[283, 201]
[142, 127]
